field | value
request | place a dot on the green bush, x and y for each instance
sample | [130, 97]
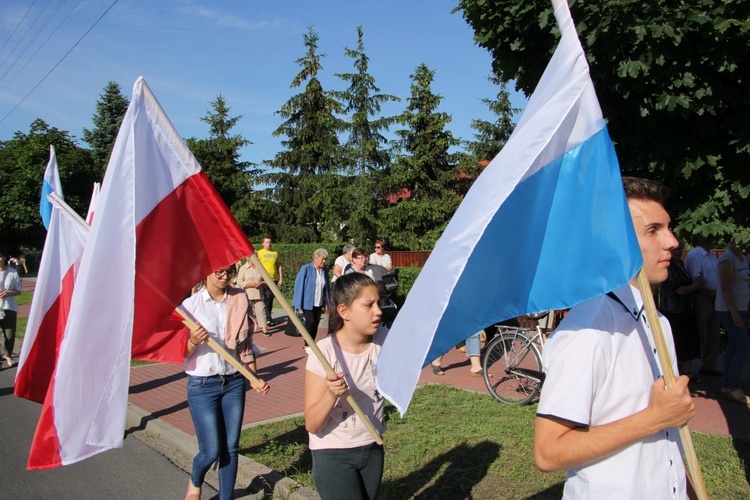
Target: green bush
[406, 277]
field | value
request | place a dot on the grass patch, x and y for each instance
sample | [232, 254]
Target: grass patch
[24, 299]
[21, 326]
[457, 444]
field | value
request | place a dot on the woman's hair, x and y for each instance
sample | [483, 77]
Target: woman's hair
[346, 290]
[358, 252]
[347, 248]
[320, 252]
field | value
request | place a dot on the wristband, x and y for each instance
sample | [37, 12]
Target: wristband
[191, 341]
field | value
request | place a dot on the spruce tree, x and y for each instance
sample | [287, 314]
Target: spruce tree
[425, 171]
[366, 151]
[490, 137]
[110, 109]
[307, 186]
[219, 157]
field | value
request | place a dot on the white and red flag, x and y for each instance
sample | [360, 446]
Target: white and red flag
[61, 258]
[160, 228]
[92, 203]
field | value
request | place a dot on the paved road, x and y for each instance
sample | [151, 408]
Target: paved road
[135, 471]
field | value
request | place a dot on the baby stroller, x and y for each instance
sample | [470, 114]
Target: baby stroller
[387, 286]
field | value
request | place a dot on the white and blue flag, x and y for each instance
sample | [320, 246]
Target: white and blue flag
[50, 184]
[546, 226]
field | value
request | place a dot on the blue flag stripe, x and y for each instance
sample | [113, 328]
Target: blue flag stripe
[564, 235]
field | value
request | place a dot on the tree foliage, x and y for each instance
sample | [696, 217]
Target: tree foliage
[110, 109]
[490, 137]
[306, 187]
[365, 154]
[671, 77]
[425, 167]
[22, 163]
[220, 158]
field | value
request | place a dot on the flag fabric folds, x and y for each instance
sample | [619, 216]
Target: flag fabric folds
[160, 228]
[61, 257]
[545, 226]
[92, 203]
[50, 184]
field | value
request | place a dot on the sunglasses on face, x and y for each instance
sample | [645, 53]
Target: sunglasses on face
[222, 273]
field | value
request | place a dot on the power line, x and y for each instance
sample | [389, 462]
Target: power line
[17, 26]
[58, 62]
[40, 47]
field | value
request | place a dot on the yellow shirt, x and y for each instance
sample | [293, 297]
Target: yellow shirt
[268, 258]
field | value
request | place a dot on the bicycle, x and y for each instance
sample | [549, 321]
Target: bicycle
[512, 365]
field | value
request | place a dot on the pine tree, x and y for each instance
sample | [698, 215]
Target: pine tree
[110, 109]
[219, 156]
[365, 150]
[490, 137]
[425, 167]
[307, 186]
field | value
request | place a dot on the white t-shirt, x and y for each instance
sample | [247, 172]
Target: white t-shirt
[9, 280]
[205, 362]
[381, 260]
[600, 365]
[344, 428]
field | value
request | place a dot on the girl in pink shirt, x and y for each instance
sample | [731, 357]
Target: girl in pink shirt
[347, 463]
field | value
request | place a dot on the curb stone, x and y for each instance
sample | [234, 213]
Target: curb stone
[260, 481]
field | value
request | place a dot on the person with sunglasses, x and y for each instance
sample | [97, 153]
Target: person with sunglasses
[380, 258]
[216, 390]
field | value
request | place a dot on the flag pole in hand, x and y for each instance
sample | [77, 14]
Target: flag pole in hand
[254, 381]
[311, 343]
[695, 475]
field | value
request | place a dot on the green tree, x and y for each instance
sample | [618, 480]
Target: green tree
[22, 163]
[366, 151]
[110, 109]
[219, 156]
[671, 77]
[426, 167]
[490, 137]
[307, 188]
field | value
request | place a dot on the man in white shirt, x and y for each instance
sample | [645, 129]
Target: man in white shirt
[605, 414]
[701, 262]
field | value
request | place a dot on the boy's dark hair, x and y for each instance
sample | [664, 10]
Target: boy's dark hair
[637, 188]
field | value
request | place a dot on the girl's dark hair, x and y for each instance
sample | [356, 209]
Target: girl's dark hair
[346, 289]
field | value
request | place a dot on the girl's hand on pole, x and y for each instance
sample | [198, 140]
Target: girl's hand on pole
[336, 384]
[261, 389]
[198, 334]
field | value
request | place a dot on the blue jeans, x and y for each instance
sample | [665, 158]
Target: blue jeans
[216, 405]
[737, 349]
[348, 473]
[472, 344]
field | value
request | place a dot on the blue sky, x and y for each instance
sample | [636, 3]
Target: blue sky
[191, 51]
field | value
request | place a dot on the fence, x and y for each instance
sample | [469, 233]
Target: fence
[408, 259]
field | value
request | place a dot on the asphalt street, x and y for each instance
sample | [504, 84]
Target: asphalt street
[135, 471]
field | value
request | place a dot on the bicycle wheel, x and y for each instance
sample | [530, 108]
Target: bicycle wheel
[512, 368]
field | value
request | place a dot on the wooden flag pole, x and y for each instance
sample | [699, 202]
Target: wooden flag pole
[255, 381]
[310, 342]
[669, 379]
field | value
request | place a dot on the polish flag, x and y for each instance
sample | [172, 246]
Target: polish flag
[61, 258]
[92, 203]
[160, 228]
